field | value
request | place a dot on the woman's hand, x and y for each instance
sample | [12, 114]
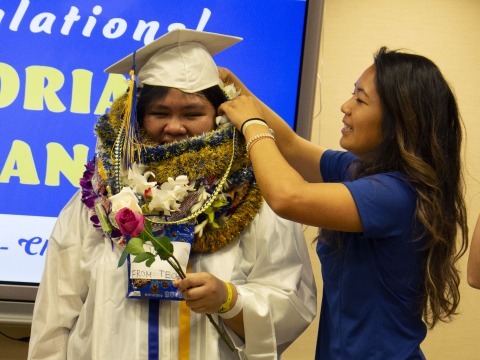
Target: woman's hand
[225, 75]
[229, 77]
[203, 292]
[241, 108]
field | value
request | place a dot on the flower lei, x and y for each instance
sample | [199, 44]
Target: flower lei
[174, 182]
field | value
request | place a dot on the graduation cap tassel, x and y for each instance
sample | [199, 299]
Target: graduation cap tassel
[132, 147]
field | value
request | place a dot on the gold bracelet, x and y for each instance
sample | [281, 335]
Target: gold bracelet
[226, 305]
[256, 138]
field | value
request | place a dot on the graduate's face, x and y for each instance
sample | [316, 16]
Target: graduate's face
[178, 115]
[362, 133]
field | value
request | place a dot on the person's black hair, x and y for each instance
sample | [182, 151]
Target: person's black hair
[422, 137]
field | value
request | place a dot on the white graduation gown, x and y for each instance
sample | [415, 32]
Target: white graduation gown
[82, 312]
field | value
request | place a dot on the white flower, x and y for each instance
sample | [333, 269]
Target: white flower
[125, 198]
[170, 195]
[199, 228]
[163, 200]
[202, 196]
[138, 181]
[230, 91]
[220, 120]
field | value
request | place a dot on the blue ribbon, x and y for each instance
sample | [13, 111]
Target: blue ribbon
[153, 330]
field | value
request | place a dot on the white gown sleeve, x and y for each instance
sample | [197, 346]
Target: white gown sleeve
[274, 275]
[63, 286]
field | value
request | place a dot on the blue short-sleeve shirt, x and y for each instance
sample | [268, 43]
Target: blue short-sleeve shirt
[371, 305]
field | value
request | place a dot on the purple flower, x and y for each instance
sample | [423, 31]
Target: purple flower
[88, 194]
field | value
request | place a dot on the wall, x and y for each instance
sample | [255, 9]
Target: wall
[448, 32]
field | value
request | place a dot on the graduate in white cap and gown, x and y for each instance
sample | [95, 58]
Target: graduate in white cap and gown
[166, 160]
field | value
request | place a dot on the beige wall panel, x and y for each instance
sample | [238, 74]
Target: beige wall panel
[448, 32]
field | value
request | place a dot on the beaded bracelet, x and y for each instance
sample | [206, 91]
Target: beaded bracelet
[252, 121]
[226, 305]
[256, 138]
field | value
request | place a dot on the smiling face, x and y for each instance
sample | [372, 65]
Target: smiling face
[178, 115]
[362, 133]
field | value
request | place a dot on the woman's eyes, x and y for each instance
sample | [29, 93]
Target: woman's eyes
[357, 99]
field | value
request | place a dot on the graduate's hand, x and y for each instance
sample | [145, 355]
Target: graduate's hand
[203, 292]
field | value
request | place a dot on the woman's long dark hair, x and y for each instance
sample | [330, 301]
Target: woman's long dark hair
[148, 93]
[422, 136]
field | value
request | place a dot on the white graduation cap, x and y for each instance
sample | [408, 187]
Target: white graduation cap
[180, 59]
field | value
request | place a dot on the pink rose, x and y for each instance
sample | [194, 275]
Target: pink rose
[129, 222]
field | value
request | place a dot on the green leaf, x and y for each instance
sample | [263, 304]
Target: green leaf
[135, 246]
[122, 258]
[150, 261]
[148, 227]
[145, 256]
[102, 217]
[218, 203]
[211, 216]
[163, 246]
[144, 236]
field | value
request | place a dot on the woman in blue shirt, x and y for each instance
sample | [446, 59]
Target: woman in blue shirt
[390, 206]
